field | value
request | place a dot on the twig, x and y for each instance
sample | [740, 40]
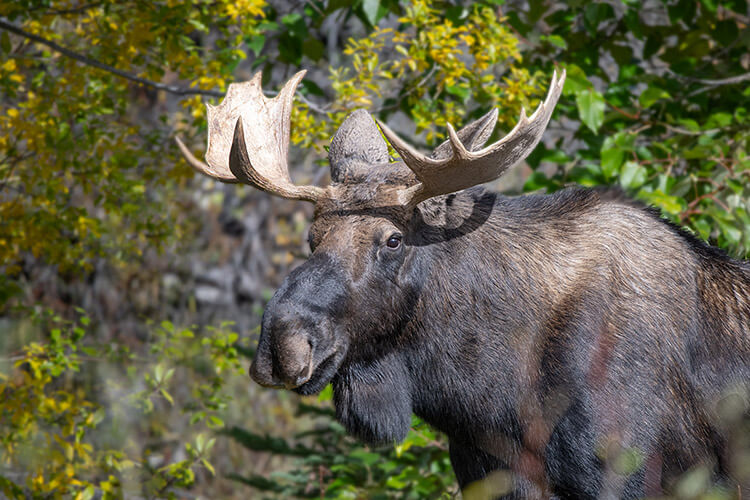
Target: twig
[12, 359]
[19, 357]
[172, 89]
[640, 129]
[409, 92]
[309, 103]
[13, 163]
[623, 112]
[315, 8]
[72, 10]
[710, 83]
[320, 481]
[724, 81]
[710, 196]
[683, 131]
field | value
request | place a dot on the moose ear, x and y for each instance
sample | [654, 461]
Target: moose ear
[473, 136]
[357, 142]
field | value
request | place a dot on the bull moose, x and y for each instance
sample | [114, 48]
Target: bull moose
[547, 336]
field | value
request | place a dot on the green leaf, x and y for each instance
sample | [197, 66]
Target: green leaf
[256, 44]
[167, 396]
[326, 394]
[208, 466]
[371, 9]
[291, 19]
[11, 489]
[395, 482]
[312, 88]
[536, 181]
[198, 25]
[594, 13]
[459, 91]
[5, 44]
[366, 457]
[719, 120]
[197, 417]
[632, 175]
[654, 42]
[651, 95]
[575, 80]
[214, 422]
[296, 25]
[611, 160]
[88, 493]
[268, 26]
[78, 333]
[689, 124]
[669, 204]
[313, 48]
[556, 40]
[730, 232]
[591, 109]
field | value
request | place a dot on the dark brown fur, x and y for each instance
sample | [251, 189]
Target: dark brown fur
[552, 336]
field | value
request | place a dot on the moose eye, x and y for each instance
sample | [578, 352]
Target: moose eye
[394, 241]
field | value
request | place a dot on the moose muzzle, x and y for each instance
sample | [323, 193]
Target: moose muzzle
[298, 344]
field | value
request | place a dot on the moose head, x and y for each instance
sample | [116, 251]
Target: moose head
[358, 292]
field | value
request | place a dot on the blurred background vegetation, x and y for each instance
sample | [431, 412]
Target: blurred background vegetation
[131, 288]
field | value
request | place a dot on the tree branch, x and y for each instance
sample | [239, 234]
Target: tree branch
[72, 10]
[709, 83]
[406, 94]
[172, 89]
[724, 81]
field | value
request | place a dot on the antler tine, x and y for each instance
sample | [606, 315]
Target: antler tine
[248, 140]
[465, 168]
[202, 167]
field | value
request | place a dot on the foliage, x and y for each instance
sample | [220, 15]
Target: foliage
[435, 68]
[665, 115]
[334, 465]
[68, 444]
[77, 161]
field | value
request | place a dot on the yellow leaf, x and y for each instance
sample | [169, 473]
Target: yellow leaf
[9, 65]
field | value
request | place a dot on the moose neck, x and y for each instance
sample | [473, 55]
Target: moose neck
[504, 275]
[474, 308]
[477, 307]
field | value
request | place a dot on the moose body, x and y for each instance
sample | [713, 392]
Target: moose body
[550, 336]
[534, 345]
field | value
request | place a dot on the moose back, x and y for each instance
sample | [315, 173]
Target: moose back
[547, 335]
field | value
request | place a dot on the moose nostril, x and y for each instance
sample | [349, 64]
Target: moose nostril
[305, 374]
[295, 360]
[261, 373]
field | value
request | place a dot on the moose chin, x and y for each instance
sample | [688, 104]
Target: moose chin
[545, 335]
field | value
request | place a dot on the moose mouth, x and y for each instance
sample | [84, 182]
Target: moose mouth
[322, 374]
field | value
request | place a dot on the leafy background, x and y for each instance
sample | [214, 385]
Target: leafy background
[120, 269]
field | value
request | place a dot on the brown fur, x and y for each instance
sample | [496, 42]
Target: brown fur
[546, 335]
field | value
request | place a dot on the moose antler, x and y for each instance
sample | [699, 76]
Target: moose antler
[464, 168]
[248, 140]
